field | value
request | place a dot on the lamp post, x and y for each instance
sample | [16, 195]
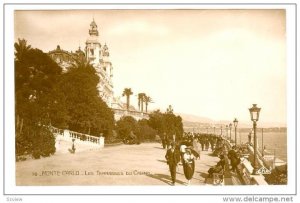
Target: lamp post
[262, 143]
[221, 131]
[230, 125]
[235, 123]
[254, 112]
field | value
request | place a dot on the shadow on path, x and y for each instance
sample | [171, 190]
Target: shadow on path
[159, 148]
[164, 178]
[212, 154]
[209, 165]
[203, 175]
[164, 161]
[192, 178]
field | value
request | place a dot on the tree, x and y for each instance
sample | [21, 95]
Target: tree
[173, 123]
[140, 100]
[21, 49]
[157, 121]
[36, 76]
[145, 132]
[127, 92]
[167, 123]
[126, 126]
[87, 111]
[170, 109]
[129, 129]
[147, 100]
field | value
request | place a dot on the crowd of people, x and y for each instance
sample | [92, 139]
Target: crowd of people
[186, 150]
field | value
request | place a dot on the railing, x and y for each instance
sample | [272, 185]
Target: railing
[137, 114]
[84, 137]
[70, 135]
[56, 130]
[245, 169]
[260, 159]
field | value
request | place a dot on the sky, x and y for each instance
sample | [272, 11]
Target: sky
[209, 63]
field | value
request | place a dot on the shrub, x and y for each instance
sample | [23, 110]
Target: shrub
[132, 131]
[43, 143]
[35, 140]
[127, 127]
[145, 131]
[278, 176]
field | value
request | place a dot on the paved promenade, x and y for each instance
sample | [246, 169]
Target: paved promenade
[142, 164]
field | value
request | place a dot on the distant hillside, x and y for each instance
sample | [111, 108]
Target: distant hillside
[194, 118]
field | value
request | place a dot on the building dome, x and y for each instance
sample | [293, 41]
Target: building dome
[105, 50]
[93, 23]
[79, 51]
[93, 31]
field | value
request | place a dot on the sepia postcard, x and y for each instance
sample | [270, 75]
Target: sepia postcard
[150, 99]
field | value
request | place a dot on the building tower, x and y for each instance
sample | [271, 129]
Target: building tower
[99, 58]
[93, 46]
[106, 67]
[105, 61]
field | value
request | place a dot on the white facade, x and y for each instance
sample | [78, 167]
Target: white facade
[98, 55]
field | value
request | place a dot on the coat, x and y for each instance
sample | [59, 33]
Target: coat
[234, 158]
[172, 157]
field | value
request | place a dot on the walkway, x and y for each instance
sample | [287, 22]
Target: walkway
[118, 165]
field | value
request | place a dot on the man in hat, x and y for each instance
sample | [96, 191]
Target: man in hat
[234, 158]
[172, 160]
[220, 167]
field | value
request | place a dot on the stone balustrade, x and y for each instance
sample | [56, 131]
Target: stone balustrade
[81, 137]
[136, 114]
[245, 168]
[56, 130]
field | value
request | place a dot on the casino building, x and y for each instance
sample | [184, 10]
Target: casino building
[98, 55]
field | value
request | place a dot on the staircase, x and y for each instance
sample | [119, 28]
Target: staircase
[64, 140]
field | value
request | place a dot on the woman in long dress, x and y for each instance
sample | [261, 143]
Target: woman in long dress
[188, 164]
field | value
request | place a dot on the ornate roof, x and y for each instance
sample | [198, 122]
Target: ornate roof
[93, 23]
[105, 50]
[105, 47]
[58, 50]
[79, 51]
[93, 31]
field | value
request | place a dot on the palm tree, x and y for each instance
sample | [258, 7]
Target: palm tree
[127, 92]
[140, 100]
[143, 95]
[170, 109]
[147, 100]
[21, 48]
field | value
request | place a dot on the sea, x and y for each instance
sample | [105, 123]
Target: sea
[275, 143]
